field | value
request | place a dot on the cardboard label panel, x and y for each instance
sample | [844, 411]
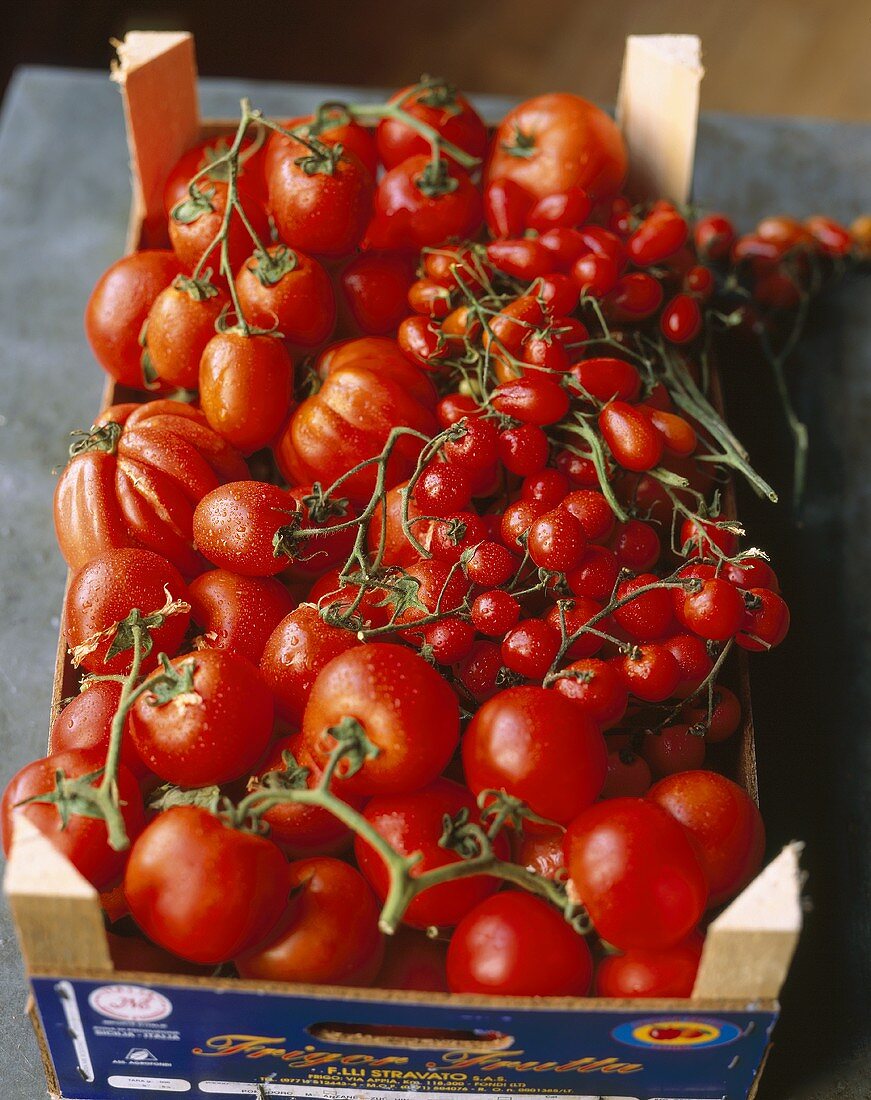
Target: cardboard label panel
[113, 1039]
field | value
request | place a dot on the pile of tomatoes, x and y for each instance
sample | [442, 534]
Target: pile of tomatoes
[415, 560]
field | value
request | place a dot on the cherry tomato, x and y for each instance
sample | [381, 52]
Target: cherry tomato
[495, 612]
[559, 294]
[238, 613]
[596, 688]
[415, 823]
[556, 541]
[186, 866]
[724, 822]
[576, 614]
[442, 488]
[481, 671]
[628, 775]
[541, 852]
[678, 435]
[658, 237]
[180, 323]
[766, 620]
[530, 648]
[702, 539]
[506, 205]
[375, 287]
[592, 511]
[555, 142]
[564, 209]
[607, 378]
[320, 198]
[724, 718]
[477, 450]
[287, 290]
[648, 616]
[429, 298]
[834, 239]
[491, 564]
[407, 710]
[118, 307]
[681, 320]
[449, 640]
[440, 106]
[547, 487]
[533, 399]
[674, 749]
[135, 480]
[650, 672]
[752, 573]
[514, 944]
[666, 974]
[693, 660]
[595, 276]
[631, 437]
[82, 840]
[211, 732]
[635, 297]
[539, 746]
[714, 236]
[715, 612]
[636, 545]
[523, 257]
[637, 873]
[597, 574]
[104, 592]
[523, 450]
[246, 384]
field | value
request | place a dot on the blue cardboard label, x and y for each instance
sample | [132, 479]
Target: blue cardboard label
[109, 1040]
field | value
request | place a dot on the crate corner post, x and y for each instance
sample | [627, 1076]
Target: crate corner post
[56, 911]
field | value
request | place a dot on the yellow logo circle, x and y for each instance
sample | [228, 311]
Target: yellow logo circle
[676, 1033]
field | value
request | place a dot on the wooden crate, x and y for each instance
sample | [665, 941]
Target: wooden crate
[710, 1045]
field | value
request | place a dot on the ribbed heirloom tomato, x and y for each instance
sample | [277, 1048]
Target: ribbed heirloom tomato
[369, 387]
[135, 479]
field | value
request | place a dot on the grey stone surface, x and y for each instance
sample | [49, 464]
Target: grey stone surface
[63, 210]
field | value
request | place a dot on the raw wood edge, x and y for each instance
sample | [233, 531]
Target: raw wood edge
[658, 110]
[157, 73]
[749, 947]
[56, 911]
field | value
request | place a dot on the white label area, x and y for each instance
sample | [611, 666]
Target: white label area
[311, 1092]
[150, 1084]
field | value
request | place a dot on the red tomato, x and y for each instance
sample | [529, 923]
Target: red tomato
[606, 378]
[297, 829]
[415, 823]
[639, 973]
[631, 437]
[533, 399]
[724, 822]
[557, 541]
[287, 290]
[531, 647]
[514, 944]
[375, 288]
[636, 872]
[538, 746]
[211, 733]
[592, 511]
[506, 205]
[295, 652]
[564, 209]
[332, 126]
[628, 775]
[407, 710]
[329, 934]
[135, 480]
[715, 612]
[82, 840]
[766, 620]
[86, 722]
[204, 154]
[197, 220]
[320, 200]
[648, 616]
[416, 207]
[634, 297]
[238, 613]
[180, 323]
[524, 258]
[440, 106]
[202, 890]
[235, 527]
[246, 385]
[541, 852]
[724, 719]
[675, 749]
[658, 237]
[414, 961]
[650, 672]
[118, 307]
[104, 592]
[558, 141]
[596, 688]
[369, 388]
[596, 575]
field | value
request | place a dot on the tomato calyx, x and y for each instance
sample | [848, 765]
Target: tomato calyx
[436, 179]
[102, 437]
[322, 159]
[270, 266]
[173, 683]
[199, 290]
[168, 795]
[522, 145]
[197, 203]
[438, 92]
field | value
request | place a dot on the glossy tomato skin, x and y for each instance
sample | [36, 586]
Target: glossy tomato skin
[329, 933]
[180, 324]
[406, 217]
[445, 110]
[414, 823]
[234, 527]
[118, 307]
[83, 841]
[724, 822]
[295, 652]
[238, 613]
[554, 142]
[202, 155]
[406, 708]
[212, 734]
[633, 440]
[414, 961]
[106, 590]
[107, 497]
[324, 213]
[290, 291]
[514, 944]
[541, 851]
[202, 890]
[538, 746]
[194, 224]
[369, 388]
[332, 127]
[245, 386]
[639, 973]
[636, 872]
[297, 829]
[374, 291]
[86, 723]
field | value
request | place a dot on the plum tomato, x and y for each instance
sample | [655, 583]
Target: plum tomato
[235, 527]
[639, 973]
[287, 290]
[238, 613]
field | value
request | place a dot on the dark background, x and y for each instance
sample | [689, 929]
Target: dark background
[802, 57]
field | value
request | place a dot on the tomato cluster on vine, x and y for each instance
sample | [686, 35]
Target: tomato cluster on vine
[409, 597]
